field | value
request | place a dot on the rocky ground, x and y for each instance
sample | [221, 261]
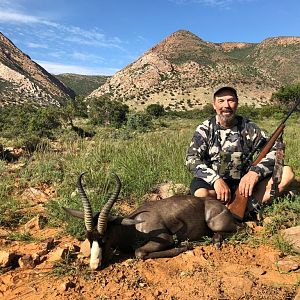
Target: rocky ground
[51, 265]
[55, 269]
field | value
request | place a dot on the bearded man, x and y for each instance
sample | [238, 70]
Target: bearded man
[218, 149]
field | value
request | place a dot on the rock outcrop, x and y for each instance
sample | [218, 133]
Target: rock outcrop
[22, 80]
[181, 70]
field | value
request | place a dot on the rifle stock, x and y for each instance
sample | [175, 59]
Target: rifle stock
[238, 203]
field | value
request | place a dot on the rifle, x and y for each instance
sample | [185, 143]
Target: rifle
[238, 204]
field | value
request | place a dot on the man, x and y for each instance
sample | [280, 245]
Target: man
[217, 151]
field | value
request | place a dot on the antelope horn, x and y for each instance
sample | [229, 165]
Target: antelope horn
[103, 216]
[87, 209]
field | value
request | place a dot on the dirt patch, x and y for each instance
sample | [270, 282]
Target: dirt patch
[234, 272]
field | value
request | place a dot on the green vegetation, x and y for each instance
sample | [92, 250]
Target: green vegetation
[104, 111]
[155, 110]
[82, 85]
[283, 213]
[21, 236]
[142, 150]
[287, 94]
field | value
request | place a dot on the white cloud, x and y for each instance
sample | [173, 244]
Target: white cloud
[55, 68]
[212, 3]
[87, 57]
[15, 17]
[36, 45]
[55, 30]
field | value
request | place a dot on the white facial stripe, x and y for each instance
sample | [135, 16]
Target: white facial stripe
[96, 256]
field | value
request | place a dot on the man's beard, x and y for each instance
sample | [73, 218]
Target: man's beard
[227, 119]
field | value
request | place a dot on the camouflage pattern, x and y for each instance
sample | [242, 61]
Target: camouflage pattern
[217, 152]
[278, 168]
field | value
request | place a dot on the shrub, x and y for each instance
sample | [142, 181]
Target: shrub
[155, 110]
[287, 94]
[104, 111]
[26, 120]
[138, 121]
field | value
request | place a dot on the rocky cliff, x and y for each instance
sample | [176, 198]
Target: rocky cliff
[22, 80]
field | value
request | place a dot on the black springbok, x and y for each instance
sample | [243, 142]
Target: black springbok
[155, 229]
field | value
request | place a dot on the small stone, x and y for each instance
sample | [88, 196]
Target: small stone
[73, 248]
[26, 262]
[47, 244]
[85, 248]
[36, 223]
[287, 265]
[292, 235]
[58, 254]
[66, 286]
[36, 258]
[6, 258]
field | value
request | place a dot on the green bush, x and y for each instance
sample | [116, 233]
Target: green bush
[287, 94]
[138, 121]
[155, 110]
[268, 111]
[104, 111]
[27, 120]
[206, 112]
[247, 111]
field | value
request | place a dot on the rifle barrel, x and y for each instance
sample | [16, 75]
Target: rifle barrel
[291, 111]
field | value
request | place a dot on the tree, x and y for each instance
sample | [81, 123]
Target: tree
[155, 110]
[287, 94]
[138, 121]
[104, 111]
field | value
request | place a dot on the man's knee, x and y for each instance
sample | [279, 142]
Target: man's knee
[288, 174]
[203, 193]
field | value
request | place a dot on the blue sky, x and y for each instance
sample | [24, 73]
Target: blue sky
[101, 37]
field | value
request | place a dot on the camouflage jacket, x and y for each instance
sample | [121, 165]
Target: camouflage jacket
[216, 152]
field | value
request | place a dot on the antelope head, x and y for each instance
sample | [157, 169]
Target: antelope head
[95, 226]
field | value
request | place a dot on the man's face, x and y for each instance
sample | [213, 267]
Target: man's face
[225, 104]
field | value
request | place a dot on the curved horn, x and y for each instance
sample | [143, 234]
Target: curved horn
[103, 216]
[87, 209]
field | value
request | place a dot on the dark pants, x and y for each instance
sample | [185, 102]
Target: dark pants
[198, 183]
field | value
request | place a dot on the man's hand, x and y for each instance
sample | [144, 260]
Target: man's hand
[247, 183]
[222, 190]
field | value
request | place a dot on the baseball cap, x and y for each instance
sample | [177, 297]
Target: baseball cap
[218, 88]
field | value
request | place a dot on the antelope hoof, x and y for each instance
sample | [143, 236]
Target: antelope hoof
[217, 240]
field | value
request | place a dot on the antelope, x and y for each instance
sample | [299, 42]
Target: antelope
[156, 229]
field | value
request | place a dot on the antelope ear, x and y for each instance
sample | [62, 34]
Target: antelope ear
[74, 212]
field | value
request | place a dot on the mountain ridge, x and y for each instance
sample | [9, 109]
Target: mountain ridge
[181, 70]
[23, 80]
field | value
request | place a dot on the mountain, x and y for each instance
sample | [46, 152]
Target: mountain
[82, 85]
[181, 71]
[22, 80]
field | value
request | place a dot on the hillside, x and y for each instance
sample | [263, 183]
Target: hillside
[22, 80]
[181, 70]
[82, 85]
